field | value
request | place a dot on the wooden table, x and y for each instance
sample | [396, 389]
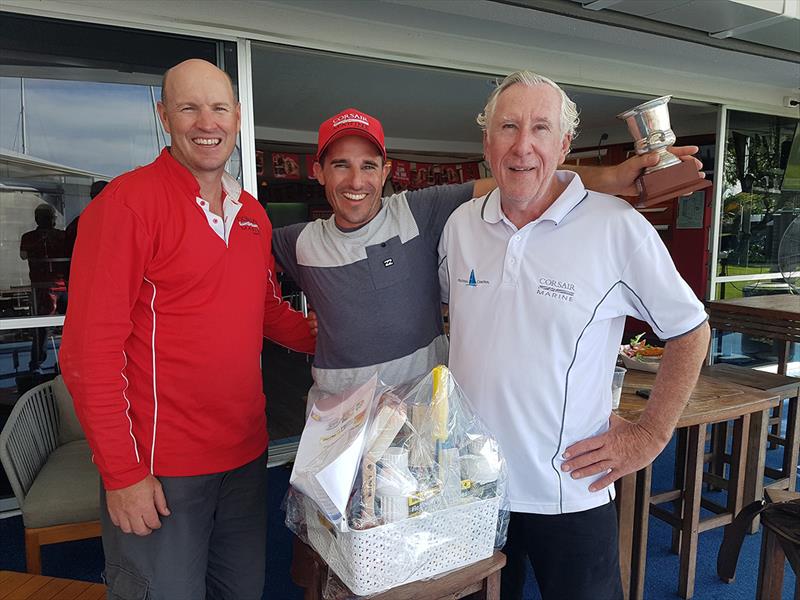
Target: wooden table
[478, 581]
[25, 586]
[786, 388]
[776, 317]
[712, 401]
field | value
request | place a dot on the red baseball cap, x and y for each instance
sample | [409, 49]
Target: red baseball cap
[350, 121]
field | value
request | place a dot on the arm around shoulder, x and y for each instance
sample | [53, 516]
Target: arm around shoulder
[282, 324]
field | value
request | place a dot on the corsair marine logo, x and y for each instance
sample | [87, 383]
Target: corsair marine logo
[557, 289]
[473, 281]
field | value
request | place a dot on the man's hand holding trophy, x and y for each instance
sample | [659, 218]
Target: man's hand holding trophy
[649, 125]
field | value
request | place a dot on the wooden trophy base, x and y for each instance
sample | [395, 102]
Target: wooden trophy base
[666, 184]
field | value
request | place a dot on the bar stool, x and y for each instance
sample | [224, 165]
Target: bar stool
[785, 477]
[780, 513]
[479, 581]
[776, 547]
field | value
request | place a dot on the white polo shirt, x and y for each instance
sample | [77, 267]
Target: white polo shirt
[536, 319]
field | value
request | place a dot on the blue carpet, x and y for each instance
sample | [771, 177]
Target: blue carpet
[84, 559]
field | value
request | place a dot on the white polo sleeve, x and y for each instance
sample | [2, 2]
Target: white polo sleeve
[656, 292]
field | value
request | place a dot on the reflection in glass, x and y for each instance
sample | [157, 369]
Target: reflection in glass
[39, 207]
[758, 200]
[754, 287]
[748, 350]
[19, 349]
[101, 128]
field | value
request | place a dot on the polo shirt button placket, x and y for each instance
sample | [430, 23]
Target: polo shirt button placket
[511, 268]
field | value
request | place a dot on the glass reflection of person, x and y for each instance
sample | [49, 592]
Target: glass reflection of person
[71, 232]
[43, 248]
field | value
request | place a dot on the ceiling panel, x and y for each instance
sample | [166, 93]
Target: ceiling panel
[297, 90]
[642, 8]
[784, 35]
[713, 16]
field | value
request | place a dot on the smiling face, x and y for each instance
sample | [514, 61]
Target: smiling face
[524, 145]
[353, 173]
[202, 117]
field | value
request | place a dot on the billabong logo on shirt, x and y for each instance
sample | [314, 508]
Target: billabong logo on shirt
[249, 225]
[473, 281]
[554, 288]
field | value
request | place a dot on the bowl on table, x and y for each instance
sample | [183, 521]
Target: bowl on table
[639, 362]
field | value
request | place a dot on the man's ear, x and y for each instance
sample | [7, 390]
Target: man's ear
[318, 174]
[565, 144]
[162, 115]
[387, 169]
[485, 146]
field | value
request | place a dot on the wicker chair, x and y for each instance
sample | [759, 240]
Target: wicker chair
[48, 463]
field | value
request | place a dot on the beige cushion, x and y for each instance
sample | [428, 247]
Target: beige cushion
[69, 428]
[66, 490]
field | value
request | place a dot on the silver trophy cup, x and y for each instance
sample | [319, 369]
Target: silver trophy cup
[649, 125]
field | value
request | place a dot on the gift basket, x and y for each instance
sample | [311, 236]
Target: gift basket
[394, 484]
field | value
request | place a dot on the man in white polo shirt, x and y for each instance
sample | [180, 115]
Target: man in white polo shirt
[540, 277]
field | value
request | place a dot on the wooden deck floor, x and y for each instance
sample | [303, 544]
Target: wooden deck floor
[24, 586]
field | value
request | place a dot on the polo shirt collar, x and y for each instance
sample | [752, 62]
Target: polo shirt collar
[180, 174]
[572, 195]
[231, 187]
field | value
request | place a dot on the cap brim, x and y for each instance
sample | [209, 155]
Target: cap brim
[353, 131]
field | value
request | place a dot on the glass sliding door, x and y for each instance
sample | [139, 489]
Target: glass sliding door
[77, 108]
[759, 201]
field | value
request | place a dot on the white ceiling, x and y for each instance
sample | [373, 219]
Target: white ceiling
[422, 109]
[772, 23]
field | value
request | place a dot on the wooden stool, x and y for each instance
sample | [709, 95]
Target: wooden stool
[479, 581]
[788, 388]
[775, 549]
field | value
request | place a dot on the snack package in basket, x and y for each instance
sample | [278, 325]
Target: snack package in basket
[425, 485]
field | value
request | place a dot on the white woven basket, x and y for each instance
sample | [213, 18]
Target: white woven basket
[377, 559]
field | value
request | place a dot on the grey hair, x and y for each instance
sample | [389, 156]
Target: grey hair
[569, 112]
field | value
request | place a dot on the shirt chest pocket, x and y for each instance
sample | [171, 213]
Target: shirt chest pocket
[388, 263]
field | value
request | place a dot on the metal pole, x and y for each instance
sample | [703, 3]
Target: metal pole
[22, 115]
[155, 118]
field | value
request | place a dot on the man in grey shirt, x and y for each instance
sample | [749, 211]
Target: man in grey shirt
[371, 270]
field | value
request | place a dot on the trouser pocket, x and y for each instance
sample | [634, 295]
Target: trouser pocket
[125, 585]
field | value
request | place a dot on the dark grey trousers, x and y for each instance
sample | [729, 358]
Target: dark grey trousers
[212, 545]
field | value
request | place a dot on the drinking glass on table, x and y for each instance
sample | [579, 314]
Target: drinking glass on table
[616, 386]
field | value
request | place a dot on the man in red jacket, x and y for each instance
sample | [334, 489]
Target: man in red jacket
[172, 288]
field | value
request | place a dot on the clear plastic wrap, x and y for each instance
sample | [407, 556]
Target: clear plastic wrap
[426, 484]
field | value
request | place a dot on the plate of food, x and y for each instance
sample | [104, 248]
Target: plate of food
[639, 355]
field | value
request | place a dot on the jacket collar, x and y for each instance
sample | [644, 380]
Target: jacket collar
[184, 178]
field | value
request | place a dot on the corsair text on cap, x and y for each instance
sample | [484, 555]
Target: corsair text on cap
[350, 122]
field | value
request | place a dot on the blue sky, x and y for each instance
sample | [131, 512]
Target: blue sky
[101, 127]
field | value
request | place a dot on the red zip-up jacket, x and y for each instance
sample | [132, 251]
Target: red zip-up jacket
[162, 339]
